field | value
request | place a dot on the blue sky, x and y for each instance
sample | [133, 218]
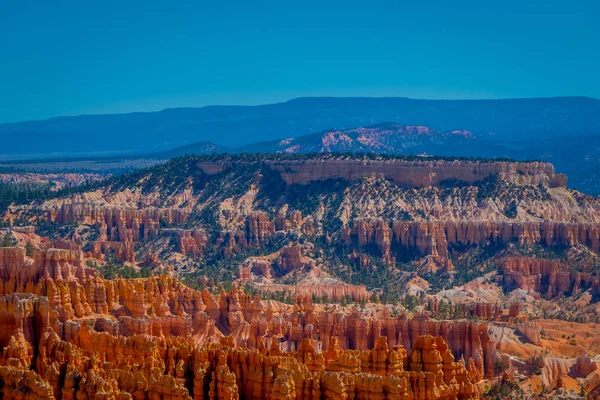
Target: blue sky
[73, 57]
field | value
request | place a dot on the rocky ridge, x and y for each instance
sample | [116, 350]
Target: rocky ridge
[411, 173]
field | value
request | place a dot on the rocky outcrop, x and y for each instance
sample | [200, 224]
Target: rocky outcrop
[583, 366]
[439, 238]
[260, 227]
[115, 223]
[411, 173]
[547, 277]
[188, 242]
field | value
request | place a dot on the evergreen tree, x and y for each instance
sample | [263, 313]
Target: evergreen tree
[29, 249]
[8, 240]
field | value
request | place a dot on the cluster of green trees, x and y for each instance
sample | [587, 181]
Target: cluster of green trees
[29, 248]
[282, 296]
[446, 310]
[24, 192]
[504, 389]
[510, 211]
[112, 271]
[8, 240]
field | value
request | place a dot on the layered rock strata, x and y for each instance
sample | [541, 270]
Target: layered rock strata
[440, 237]
[546, 277]
[411, 173]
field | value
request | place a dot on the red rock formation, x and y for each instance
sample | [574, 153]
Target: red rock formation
[121, 224]
[333, 290]
[583, 366]
[123, 251]
[290, 258]
[24, 314]
[21, 274]
[438, 238]
[531, 331]
[260, 227]
[547, 277]
[189, 242]
[100, 363]
[413, 173]
[154, 337]
[256, 266]
[291, 220]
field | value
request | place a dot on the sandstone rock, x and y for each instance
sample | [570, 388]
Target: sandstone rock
[156, 338]
[583, 366]
[409, 173]
[436, 237]
[547, 277]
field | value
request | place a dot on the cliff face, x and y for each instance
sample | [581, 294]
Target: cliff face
[546, 277]
[411, 173]
[118, 223]
[439, 237]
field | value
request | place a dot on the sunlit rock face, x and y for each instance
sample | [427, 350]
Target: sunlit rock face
[156, 337]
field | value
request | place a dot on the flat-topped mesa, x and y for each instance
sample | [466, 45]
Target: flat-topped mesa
[410, 173]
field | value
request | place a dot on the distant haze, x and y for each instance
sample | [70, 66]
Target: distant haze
[234, 126]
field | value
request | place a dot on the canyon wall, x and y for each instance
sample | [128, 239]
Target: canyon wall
[438, 237]
[546, 277]
[411, 173]
[124, 224]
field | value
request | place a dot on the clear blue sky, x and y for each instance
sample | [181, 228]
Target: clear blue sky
[73, 57]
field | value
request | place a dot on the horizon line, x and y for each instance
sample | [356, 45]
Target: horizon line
[290, 100]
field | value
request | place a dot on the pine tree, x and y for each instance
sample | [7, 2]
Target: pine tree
[7, 241]
[29, 249]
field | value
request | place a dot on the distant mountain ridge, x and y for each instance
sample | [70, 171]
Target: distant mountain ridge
[384, 138]
[237, 126]
[577, 156]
